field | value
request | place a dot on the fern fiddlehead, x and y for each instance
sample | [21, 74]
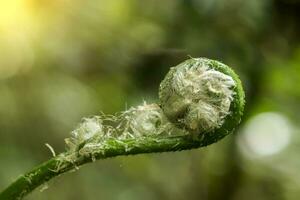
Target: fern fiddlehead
[200, 102]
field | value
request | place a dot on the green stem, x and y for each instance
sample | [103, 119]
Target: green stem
[149, 125]
[57, 165]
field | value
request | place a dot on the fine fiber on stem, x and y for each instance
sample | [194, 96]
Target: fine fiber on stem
[201, 101]
[58, 165]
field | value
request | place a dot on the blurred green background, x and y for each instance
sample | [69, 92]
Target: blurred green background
[61, 60]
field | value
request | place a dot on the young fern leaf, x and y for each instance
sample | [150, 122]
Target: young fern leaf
[200, 102]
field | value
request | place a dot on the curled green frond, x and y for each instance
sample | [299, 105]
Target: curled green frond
[201, 101]
[202, 96]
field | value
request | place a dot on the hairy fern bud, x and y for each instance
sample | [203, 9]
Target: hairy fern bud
[202, 96]
[199, 97]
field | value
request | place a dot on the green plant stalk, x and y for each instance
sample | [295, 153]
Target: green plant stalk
[49, 169]
[149, 143]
